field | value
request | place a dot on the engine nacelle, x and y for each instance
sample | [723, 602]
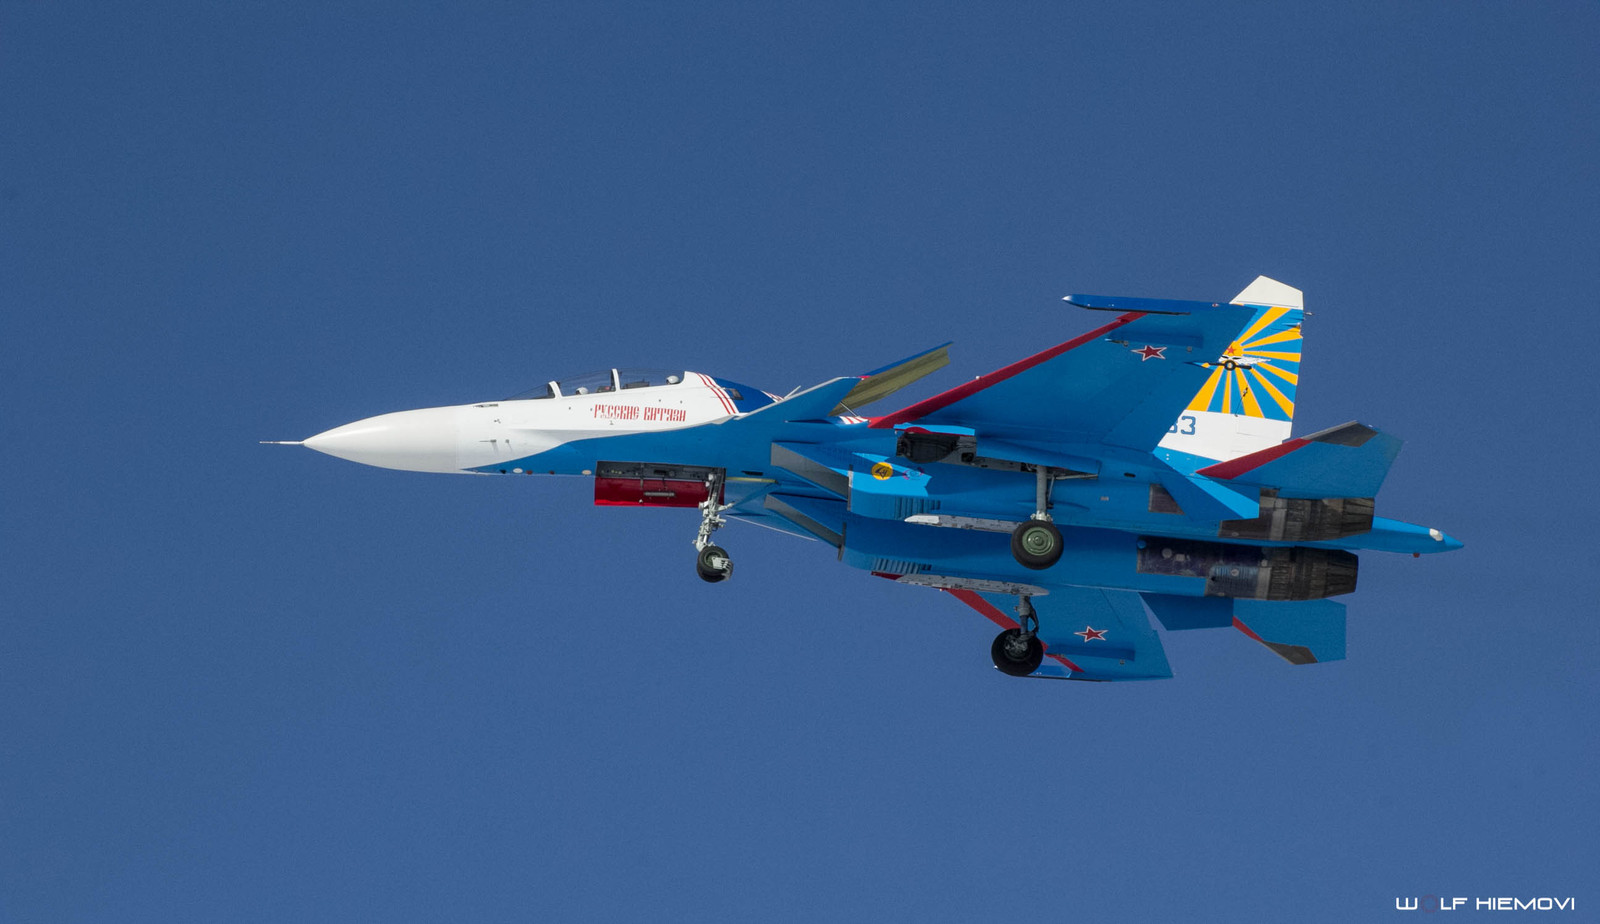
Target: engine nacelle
[1252, 573]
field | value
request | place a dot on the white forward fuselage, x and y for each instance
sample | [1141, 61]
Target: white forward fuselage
[479, 438]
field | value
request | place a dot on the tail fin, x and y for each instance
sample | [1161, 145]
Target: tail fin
[1247, 404]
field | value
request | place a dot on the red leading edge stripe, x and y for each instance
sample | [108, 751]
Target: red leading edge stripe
[944, 399]
[1233, 468]
[971, 598]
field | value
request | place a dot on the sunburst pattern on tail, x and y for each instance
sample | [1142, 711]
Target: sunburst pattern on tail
[1247, 403]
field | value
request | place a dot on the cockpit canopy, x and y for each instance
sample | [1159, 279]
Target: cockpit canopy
[591, 383]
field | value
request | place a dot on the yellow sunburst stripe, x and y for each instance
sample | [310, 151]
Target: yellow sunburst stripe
[1284, 403]
[1289, 377]
[1202, 398]
[1261, 324]
[1282, 336]
[1227, 391]
[1247, 397]
[1287, 357]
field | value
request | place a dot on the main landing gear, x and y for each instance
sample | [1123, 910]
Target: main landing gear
[711, 561]
[1036, 544]
[1019, 652]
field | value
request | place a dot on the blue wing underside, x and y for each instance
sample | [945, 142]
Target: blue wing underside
[1092, 633]
[1089, 633]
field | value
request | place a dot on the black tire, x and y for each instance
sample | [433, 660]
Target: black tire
[1036, 544]
[1006, 664]
[706, 564]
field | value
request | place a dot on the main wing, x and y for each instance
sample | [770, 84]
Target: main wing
[1092, 633]
[1123, 383]
[1089, 633]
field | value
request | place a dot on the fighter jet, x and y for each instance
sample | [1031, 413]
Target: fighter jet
[1144, 467]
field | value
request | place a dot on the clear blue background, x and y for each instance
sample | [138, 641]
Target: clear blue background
[253, 683]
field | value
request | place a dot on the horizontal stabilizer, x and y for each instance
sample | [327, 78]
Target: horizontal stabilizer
[1179, 613]
[1301, 633]
[1350, 460]
[881, 383]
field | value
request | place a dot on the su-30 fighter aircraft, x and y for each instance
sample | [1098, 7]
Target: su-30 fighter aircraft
[1144, 465]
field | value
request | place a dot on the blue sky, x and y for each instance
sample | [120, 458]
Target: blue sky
[253, 683]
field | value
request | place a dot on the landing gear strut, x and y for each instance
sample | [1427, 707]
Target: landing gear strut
[1036, 544]
[1019, 652]
[712, 562]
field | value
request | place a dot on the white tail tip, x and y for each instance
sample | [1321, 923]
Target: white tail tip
[1271, 292]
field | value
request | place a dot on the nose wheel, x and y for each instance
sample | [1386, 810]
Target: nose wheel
[711, 561]
[713, 564]
[1018, 652]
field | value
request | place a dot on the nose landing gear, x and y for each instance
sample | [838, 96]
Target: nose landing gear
[1019, 652]
[712, 562]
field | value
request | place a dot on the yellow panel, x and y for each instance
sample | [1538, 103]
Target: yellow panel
[1261, 324]
[1202, 398]
[1282, 336]
[1278, 396]
[1287, 376]
[1247, 396]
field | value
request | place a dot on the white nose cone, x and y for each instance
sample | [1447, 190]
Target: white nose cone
[426, 440]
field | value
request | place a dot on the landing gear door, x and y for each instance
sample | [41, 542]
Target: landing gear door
[644, 484]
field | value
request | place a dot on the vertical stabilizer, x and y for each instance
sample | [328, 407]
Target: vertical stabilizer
[1247, 403]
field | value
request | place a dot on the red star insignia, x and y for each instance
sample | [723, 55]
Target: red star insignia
[1149, 352]
[1091, 634]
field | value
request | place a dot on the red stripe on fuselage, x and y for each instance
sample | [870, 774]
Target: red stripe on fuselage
[945, 399]
[722, 396]
[1246, 630]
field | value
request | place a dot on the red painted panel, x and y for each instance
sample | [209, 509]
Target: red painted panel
[648, 492]
[928, 405]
